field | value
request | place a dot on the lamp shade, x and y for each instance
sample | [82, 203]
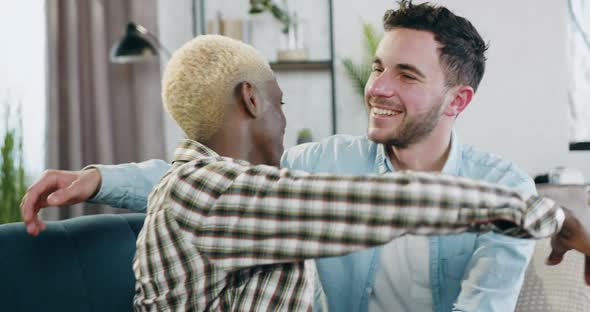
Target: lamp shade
[134, 47]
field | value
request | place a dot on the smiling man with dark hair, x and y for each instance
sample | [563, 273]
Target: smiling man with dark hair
[427, 68]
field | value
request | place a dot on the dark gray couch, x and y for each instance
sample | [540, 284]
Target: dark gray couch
[81, 264]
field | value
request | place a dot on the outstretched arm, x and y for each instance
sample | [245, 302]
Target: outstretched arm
[122, 186]
[243, 215]
[128, 185]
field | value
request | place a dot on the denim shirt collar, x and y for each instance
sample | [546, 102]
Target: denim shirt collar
[451, 167]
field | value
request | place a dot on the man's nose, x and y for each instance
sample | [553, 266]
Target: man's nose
[382, 86]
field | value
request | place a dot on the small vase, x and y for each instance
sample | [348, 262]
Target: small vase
[292, 44]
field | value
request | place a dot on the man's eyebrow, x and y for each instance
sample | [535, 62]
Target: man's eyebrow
[411, 68]
[403, 66]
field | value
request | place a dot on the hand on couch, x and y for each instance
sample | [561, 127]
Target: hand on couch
[57, 188]
[573, 235]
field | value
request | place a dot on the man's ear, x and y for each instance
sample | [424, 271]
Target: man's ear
[248, 98]
[461, 99]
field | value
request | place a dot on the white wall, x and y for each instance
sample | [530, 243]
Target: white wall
[519, 112]
[174, 29]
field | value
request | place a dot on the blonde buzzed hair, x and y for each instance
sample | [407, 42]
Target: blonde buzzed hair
[201, 77]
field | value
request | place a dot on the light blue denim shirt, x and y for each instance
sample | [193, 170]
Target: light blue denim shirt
[468, 272]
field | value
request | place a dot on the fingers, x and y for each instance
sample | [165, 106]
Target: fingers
[29, 210]
[57, 188]
[35, 227]
[32, 203]
[574, 235]
[558, 250]
[66, 196]
[37, 193]
[555, 257]
[36, 197]
[39, 226]
[79, 190]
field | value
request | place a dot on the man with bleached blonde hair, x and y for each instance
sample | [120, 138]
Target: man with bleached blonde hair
[192, 92]
[223, 234]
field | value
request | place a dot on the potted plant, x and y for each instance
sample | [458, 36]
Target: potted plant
[304, 136]
[359, 72]
[261, 6]
[293, 49]
[12, 172]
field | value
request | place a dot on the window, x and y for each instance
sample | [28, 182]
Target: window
[579, 88]
[22, 78]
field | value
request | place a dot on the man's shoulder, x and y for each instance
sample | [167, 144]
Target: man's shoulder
[490, 167]
[329, 153]
[338, 142]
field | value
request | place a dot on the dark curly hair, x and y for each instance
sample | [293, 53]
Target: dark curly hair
[462, 52]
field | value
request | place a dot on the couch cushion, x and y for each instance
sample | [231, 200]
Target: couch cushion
[81, 264]
[562, 287]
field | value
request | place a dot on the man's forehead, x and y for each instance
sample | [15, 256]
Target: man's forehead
[418, 48]
[424, 37]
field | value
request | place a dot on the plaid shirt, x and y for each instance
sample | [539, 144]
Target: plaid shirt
[223, 235]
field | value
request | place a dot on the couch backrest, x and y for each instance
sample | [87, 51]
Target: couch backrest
[81, 264]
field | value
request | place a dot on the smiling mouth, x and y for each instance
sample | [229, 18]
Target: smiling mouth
[382, 112]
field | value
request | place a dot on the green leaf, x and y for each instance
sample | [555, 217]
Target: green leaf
[260, 6]
[281, 15]
[371, 39]
[12, 172]
[255, 10]
[359, 73]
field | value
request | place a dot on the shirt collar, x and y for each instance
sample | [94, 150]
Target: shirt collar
[188, 150]
[382, 161]
[451, 167]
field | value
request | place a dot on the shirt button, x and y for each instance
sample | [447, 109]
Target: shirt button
[369, 290]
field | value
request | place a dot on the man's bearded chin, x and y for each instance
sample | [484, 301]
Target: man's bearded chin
[414, 130]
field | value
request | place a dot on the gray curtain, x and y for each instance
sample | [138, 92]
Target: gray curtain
[99, 112]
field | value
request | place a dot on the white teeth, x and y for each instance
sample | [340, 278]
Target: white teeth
[381, 111]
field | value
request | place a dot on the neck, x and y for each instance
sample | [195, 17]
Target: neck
[234, 140]
[429, 154]
[227, 144]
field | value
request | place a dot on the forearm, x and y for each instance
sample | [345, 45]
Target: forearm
[128, 185]
[271, 216]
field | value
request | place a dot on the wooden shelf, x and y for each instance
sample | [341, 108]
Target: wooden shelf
[302, 65]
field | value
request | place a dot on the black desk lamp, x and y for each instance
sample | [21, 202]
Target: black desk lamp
[135, 46]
